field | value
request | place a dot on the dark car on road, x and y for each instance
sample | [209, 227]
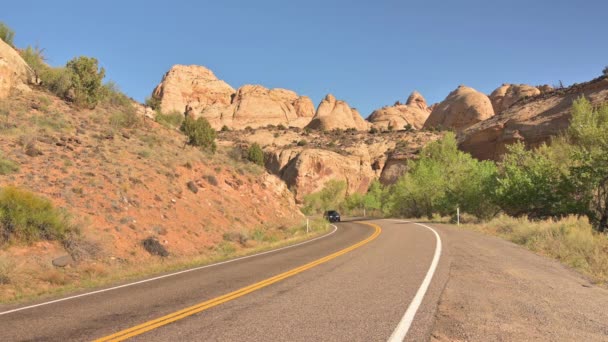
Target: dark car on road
[332, 216]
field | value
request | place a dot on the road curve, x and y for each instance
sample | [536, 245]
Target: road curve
[359, 295]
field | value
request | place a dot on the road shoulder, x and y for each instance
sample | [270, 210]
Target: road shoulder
[500, 291]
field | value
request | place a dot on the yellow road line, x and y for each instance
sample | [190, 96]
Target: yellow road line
[175, 316]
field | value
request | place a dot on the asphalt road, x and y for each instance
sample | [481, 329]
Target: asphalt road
[360, 295]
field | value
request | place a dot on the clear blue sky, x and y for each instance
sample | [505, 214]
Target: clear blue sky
[369, 53]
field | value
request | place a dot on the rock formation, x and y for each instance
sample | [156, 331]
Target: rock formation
[308, 171]
[335, 114]
[196, 91]
[256, 106]
[531, 121]
[414, 112]
[14, 71]
[462, 108]
[508, 94]
[193, 88]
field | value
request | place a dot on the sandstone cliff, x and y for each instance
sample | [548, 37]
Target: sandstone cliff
[191, 87]
[462, 108]
[533, 121]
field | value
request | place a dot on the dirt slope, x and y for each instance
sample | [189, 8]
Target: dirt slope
[123, 185]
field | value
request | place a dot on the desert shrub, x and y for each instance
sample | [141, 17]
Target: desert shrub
[302, 142]
[211, 179]
[26, 217]
[199, 133]
[153, 102]
[125, 117]
[170, 120]
[7, 34]
[225, 128]
[408, 127]
[373, 130]
[86, 80]
[281, 127]
[239, 237]
[154, 247]
[112, 95]
[255, 154]
[57, 80]
[34, 57]
[226, 248]
[7, 166]
[605, 71]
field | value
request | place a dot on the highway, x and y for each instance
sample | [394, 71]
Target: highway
[366, 281]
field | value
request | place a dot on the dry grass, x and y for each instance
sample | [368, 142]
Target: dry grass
[571, 240]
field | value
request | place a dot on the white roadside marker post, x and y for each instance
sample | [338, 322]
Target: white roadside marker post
[307, 225]
[458, 216]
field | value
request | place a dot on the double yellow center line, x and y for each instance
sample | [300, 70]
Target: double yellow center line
[175, 316]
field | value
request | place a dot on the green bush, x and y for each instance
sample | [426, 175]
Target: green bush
[86, 77]
[6, 34]
[255, 154]
[170, 120]
[111, 95]
[25, 217]
[199, 133]
[442, 179]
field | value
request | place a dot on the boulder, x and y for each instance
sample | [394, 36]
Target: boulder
[14, 71]
[193, 88]
[532, 122]
[462, 108]
[414, 112]
[508, 94]
[336, 114]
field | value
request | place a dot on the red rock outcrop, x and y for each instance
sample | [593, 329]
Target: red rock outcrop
[336, 114]
[462, 108]
[532, 121]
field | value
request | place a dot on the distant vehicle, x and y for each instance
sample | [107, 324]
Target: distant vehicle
[332, 216]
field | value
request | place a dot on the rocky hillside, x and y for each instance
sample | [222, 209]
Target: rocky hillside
[307, 159]
[532, 119]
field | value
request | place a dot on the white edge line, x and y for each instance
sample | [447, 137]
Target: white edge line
[406, 321]
[167, 275]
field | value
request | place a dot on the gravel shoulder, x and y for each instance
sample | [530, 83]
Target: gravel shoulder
[499, 291]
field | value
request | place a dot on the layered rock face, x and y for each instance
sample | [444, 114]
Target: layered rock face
[256, 106]
[531, 121]
[196, 91]
[307, 171]
[508, 94]
[193, 88]
[14, 71]
[462, 108]
[414, 112]
[335, 114]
